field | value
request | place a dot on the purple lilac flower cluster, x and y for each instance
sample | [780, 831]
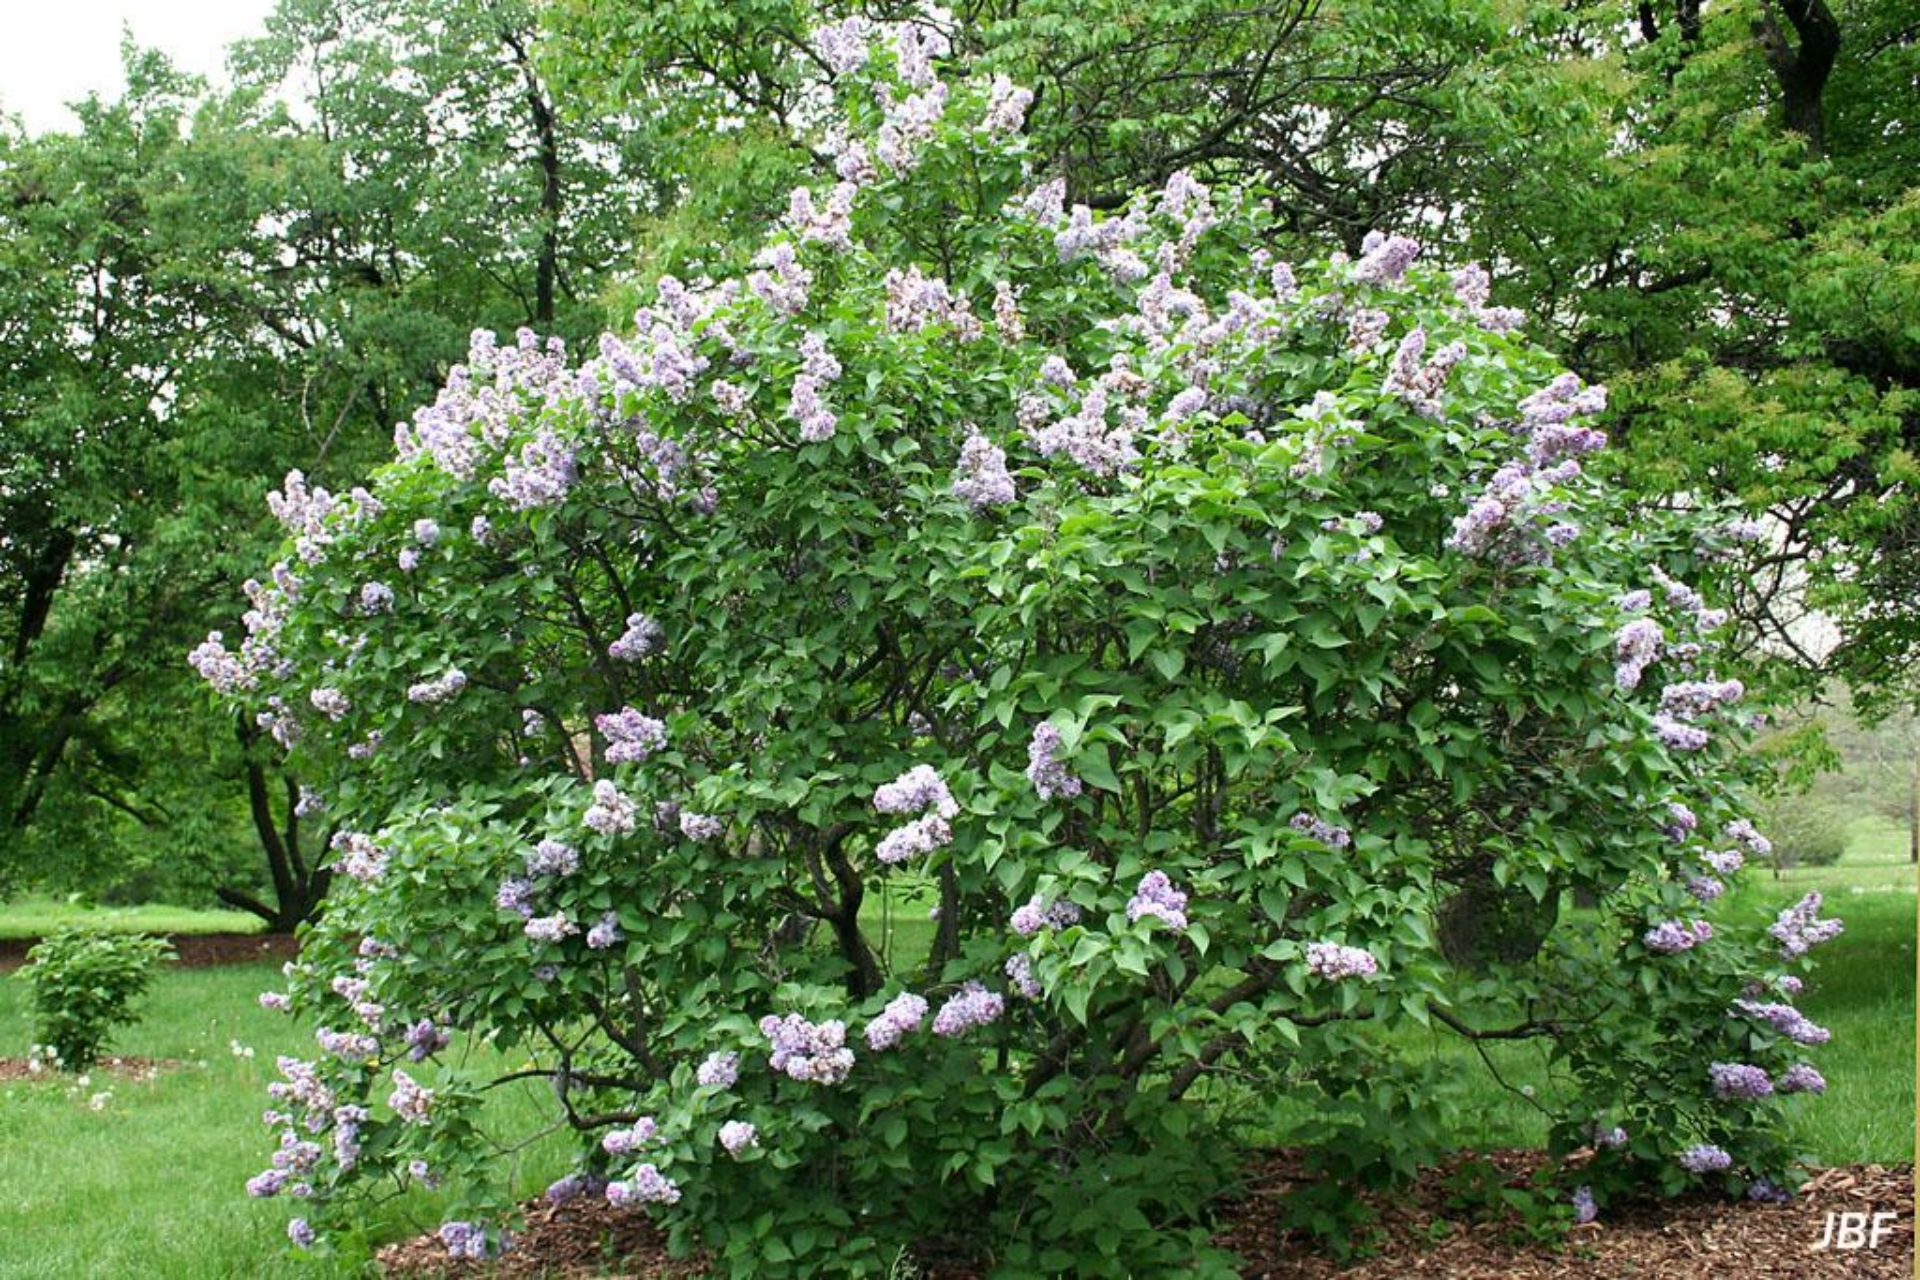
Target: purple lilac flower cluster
[737, 1135]
[1087, 436]
[554, 928]
[1800, 1078]
[1670, 937]
[1724, 862]
[409, 1100]
[1584, 1208]
[830, 224]
[424, 1039]
[1785, 1020]
[515, 894]
[348, 1046]
[1040, 914]
[552, 858]
[1506, 519]
[1473, 287]
[1678, 735]
[1385, 258]
[1007, 105]
[781, 281]
[699, 826]
[917, 302]
[904, 1013]
[357, 855]
[1019, 971]
[1681, 822]
[465, 1240]
[1705, 1158]
[719, 1069]
[1547, 417]
[611, 811]
[631, 737]
[1798, 929]
[919, 790]
[818, 369]
[1704, 888]
[1327, 833]
[574, 1186]
[1157, 897]
[971, 1006]
[1739, 1080]
[1422, 383]
[1743, 831]
[1049, 775]
[1636, 646]
[1334, 962]
[812, 1053]
[605, 932]
[647, 1186]
[981, 479]
[331, 703]
[642, 637]
[624, 1142]
[439, 689]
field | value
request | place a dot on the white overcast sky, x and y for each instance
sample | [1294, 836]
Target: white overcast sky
[56, 51]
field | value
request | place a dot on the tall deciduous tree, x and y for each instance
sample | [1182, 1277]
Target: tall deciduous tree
[209, 290]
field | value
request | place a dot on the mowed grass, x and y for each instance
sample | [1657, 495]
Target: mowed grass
[35, 918]
[153, 1183]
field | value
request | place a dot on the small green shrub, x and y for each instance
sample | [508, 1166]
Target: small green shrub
[1808, 830]
[84, 986]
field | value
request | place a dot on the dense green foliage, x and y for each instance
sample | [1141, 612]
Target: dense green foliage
[1712, 210]
[1243, 651]
[85, 985]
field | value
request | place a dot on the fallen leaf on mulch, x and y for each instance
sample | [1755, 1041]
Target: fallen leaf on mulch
[1689, 1239]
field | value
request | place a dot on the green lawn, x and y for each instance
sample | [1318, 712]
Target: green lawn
[151, 1184]
[34, 918]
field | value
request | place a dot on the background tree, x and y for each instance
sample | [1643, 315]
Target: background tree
[246, 283]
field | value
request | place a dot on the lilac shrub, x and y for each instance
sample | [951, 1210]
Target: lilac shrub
[1195, 623]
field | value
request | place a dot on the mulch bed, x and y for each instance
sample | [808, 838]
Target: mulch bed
[117, 1068]
[1689, 1239]
[193, 950]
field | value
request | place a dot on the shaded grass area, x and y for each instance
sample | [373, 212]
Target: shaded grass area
[34, 918]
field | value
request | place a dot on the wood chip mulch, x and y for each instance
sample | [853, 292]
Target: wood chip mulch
[118, 1068]
[1688, 1239]
[191, 950]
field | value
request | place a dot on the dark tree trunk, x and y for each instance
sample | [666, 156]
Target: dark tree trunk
[1913, 810]
[296, 890]
[547, 145]
[1803, 65]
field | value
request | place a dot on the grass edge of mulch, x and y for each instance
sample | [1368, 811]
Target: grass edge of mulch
[1690, 1238]
[190, 950]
